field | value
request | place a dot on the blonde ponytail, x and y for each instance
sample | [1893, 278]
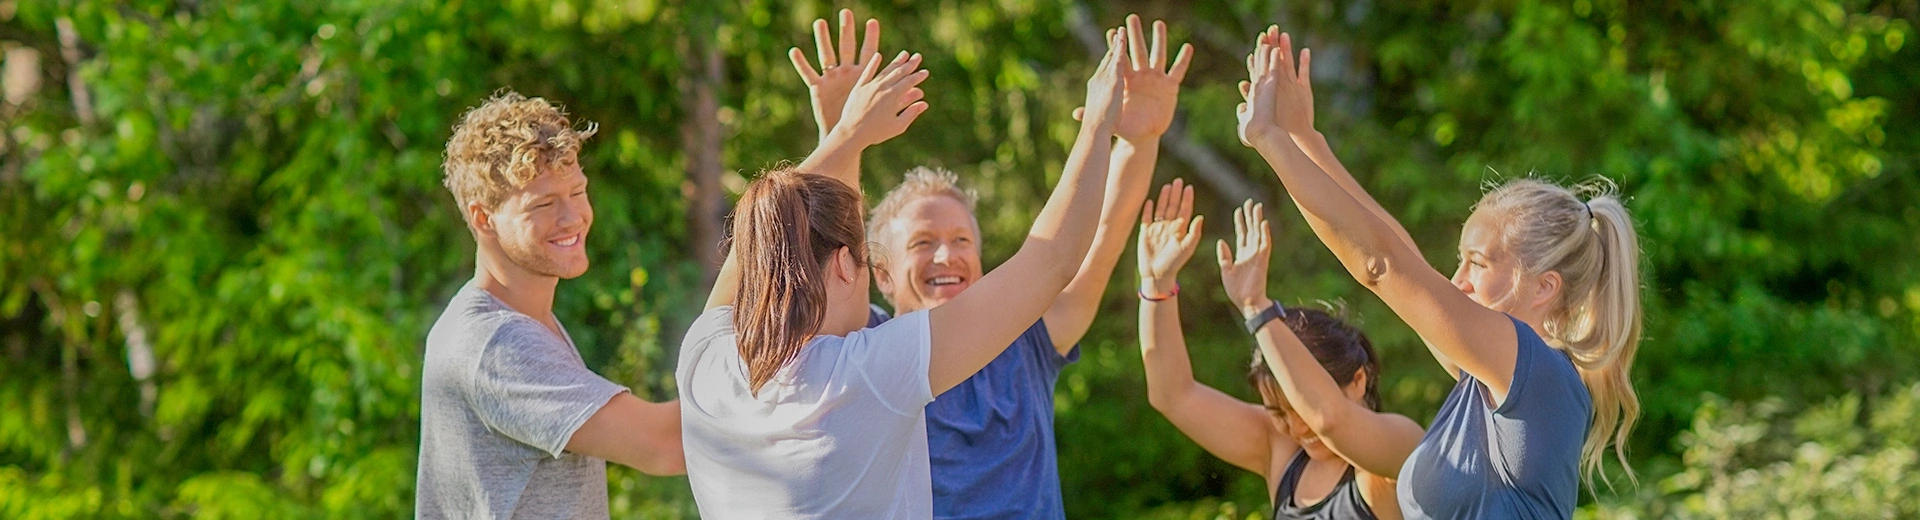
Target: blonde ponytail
[1597, 321]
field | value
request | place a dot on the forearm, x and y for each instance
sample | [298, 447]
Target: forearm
[1314, 394]
[666, 456]
[1315, 145]
[1128, 177]
[1163, 353]
[837, 156]
[1362, 242]
[1064, 230]
[1130, 174]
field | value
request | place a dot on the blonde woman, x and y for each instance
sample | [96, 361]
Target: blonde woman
[1539, 323]
[1318, 435]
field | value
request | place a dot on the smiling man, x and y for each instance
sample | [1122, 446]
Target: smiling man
[991, 438]
[512, 423]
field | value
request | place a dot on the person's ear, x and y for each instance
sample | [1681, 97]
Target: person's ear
[481, 219]
[882, 279]
[1357, 387]
[844, 265]
[1547, 289]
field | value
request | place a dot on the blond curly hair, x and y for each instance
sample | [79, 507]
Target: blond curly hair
[504, 143]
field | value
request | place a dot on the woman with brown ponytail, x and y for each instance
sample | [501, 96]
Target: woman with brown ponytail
[1539, 323]
[791, 407]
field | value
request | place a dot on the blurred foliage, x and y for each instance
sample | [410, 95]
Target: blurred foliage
[223, 238]
[1835, 460]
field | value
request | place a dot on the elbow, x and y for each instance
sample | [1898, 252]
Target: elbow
[1328, 424]
[1162, 400]
[1374, 269]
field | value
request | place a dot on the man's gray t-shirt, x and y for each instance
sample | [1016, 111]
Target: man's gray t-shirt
[500, 396]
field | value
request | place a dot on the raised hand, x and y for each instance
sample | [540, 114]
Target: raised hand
[1261, 91]
[1152, 90]
[1293, 87]
[1169, 234]
[1104, 88]
[884, 101]
[1245, 274]
[839, 71]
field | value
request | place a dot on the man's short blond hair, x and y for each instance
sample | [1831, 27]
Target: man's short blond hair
[919, 183]
[504, 143]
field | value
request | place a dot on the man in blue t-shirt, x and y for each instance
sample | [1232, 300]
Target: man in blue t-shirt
[991, 438]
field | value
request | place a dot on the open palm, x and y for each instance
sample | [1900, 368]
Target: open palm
[1169, 233]
[839, 71]
[1152, 89]
[1243, 269]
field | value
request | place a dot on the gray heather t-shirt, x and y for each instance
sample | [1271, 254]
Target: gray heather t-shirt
[500, 397]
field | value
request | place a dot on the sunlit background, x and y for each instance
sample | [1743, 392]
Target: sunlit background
[223, 235]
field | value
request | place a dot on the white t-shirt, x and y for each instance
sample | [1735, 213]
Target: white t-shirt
[840, 432]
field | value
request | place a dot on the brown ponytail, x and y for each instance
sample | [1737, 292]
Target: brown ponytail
[786, 230]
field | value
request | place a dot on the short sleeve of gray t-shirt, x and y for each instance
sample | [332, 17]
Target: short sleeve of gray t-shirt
[500, 397]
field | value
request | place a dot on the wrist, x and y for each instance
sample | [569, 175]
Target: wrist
[1307, 137]
[1157, 295]
[1251, 307]
[841, 136]
[1137, 142]
[1157, 286]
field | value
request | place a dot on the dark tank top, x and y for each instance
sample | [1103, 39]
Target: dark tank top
[1344, 503]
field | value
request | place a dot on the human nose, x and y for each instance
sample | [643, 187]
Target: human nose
[943, 253]
[1460, 279]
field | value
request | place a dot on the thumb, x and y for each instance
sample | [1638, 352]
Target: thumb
[1079, 113]
[1192, 241]
[1224, 255]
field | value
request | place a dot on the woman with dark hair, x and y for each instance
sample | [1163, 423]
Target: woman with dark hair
[1320, 439]
[791, 407]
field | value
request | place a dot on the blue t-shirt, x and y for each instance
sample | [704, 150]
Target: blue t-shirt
[990, 439]
[1521, 460]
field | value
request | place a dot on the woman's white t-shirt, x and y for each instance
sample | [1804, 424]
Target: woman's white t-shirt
[840, 432]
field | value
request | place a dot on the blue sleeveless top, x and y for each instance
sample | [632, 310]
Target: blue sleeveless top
[1521, 460]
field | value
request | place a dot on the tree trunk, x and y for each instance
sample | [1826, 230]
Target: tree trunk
[701, 136]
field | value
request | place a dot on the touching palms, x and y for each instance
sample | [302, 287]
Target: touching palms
[839, 72]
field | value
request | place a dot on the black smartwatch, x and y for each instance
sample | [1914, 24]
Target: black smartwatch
[1272, 312]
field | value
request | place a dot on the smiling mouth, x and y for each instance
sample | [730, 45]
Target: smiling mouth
[569, 241]
[942, 281]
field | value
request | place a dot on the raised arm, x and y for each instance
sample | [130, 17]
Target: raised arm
[1376, 442]
[1237, 432]
[1296, 115]
[1148, 97]
[877, 104]
[1479, 340]
[977, 325]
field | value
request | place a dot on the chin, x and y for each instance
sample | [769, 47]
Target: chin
[941, 295]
